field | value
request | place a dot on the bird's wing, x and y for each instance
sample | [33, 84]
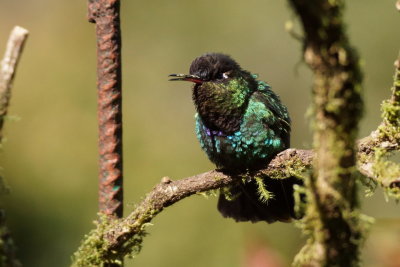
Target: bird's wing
[275, 116]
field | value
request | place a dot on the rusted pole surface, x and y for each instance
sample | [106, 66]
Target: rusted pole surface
[105, 14]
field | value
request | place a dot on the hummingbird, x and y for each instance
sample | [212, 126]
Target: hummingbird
[241, 125]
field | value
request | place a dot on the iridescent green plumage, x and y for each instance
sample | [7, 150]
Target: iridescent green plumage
[263, 132]
[241, 124]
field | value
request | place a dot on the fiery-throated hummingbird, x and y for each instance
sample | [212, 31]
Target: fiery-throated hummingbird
[241, 125]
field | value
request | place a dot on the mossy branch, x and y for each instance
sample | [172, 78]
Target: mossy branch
[114, 239]
[333, 221]
[377, 148]
[332, 218]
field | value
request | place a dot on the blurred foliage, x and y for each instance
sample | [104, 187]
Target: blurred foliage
[50, 157]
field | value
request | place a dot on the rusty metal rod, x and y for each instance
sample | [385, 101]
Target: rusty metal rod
[105, 14]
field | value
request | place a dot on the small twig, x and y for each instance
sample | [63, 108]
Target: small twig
[395, 99]
[289, 27]
[8, 67]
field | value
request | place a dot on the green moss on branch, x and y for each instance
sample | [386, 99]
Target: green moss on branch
[332, 217]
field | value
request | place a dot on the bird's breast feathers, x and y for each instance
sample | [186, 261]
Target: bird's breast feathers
[259, 136]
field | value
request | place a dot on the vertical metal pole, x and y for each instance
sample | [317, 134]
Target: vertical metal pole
[105, 14]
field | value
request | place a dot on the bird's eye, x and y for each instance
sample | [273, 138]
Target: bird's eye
[222, 75]
[225, 75]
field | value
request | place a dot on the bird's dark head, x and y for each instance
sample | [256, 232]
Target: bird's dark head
[214, 67]
[211, 67]
[221, 91]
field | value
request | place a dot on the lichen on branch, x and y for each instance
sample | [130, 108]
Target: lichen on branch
[376, 149]
[332, 216]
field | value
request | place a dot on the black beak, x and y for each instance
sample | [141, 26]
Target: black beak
[186, 77]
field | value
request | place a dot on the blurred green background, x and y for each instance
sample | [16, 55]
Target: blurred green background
[50, 156]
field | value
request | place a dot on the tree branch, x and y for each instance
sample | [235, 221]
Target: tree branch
[8, 68]
[332, 217]
[114, 239]
[379, 146]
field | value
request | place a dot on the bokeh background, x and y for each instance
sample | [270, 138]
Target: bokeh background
[50, 156]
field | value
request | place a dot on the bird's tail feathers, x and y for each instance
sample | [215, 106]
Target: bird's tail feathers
[261, 199]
